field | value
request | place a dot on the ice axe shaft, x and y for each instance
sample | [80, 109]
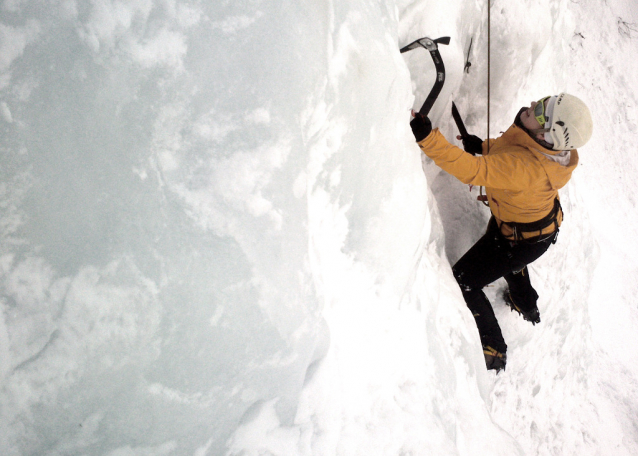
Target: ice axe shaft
[459, 121]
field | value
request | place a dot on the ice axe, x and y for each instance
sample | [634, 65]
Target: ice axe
[432, 46]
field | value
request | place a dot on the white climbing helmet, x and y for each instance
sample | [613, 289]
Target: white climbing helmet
[569, 125]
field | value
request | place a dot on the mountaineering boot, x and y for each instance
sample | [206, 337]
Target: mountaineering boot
[494, 360]
[529, 315]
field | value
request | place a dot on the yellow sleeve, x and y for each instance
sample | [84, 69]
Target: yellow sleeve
[502, 171]
[485, 143]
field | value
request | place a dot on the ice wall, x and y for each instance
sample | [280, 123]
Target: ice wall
[155, 274]
[187, 189]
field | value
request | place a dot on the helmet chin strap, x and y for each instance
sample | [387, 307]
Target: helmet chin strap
[537, 131]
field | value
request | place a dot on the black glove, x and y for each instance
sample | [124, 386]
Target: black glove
[473, 145]
[421, 127]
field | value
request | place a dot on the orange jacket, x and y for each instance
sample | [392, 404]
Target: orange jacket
[521, 183]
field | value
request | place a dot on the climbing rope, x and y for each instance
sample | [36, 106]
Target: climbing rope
[483, 198]
[489, 55]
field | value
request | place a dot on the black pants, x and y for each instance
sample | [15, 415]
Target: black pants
[491, 258]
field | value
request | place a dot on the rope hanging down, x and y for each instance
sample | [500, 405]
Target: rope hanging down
[489, 47]
[481, 197]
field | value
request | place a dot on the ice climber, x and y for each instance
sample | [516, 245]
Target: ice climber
[521, 171]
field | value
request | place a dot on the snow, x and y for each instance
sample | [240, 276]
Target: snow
[218, 237]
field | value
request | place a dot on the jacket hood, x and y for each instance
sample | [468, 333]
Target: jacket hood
[557, 174]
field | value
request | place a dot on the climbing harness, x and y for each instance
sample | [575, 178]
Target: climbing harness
[538, 231]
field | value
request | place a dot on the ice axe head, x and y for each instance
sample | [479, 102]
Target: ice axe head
[427, 43]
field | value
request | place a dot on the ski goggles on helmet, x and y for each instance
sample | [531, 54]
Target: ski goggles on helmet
[539, 111]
